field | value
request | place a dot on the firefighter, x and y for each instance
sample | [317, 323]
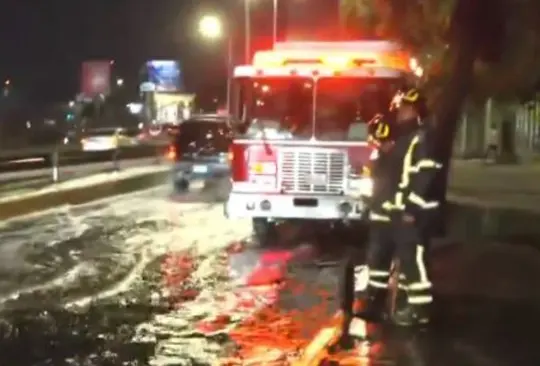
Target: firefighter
[380, 139]
[399, 215]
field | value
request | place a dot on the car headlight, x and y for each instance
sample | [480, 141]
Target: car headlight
[361, 187]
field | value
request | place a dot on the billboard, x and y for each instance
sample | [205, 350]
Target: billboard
[95, 78]
[164, 75]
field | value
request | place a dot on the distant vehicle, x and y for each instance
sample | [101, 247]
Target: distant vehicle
[104, 139]
[200, 150]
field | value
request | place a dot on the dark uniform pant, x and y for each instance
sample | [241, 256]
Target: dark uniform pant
[406, 243]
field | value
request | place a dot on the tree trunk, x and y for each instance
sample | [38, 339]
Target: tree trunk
[448, 110]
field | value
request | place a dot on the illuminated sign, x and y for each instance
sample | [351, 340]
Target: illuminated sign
[165, 75]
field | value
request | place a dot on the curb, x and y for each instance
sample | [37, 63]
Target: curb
[80, 195]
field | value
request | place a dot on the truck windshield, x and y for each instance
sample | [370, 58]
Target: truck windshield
[279, 108]
[282, 108]
[346, 105]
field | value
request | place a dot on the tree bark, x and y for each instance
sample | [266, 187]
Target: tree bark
[463, 48]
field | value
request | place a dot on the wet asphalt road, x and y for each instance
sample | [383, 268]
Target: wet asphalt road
[133, 281]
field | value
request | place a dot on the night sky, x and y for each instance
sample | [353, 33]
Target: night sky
[44, 42]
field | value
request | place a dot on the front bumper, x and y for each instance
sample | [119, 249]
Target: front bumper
[278, 206]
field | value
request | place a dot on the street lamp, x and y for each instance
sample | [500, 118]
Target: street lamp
[119, 82]
[211, 27]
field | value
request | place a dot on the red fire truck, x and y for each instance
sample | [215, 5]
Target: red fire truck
[304, 108]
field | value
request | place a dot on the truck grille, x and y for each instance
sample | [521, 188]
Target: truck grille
[312, 171]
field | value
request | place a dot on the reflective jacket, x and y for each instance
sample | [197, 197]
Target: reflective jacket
[407, 178]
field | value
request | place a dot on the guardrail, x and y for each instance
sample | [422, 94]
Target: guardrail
[59, 156]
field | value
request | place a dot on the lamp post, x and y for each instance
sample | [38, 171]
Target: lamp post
[247, 31]
[211, 27]
[274, 22]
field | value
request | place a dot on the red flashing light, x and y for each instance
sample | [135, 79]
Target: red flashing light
[172, 153]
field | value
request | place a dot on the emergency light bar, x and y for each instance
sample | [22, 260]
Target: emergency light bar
[316, 71]
[332, 59]
[310, 59]
[371, 46]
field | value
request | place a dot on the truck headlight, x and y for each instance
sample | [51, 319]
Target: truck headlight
[361, 187]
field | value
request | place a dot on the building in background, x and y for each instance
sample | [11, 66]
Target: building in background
[173, 107]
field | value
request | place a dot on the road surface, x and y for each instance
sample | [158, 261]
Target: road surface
[133, 280]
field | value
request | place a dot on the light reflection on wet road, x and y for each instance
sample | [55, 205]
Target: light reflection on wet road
[85, 286]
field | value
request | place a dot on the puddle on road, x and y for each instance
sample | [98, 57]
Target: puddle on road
[202, 314]
[99, 334]
[114, 253]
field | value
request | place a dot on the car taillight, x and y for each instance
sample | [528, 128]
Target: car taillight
[230, 156]
[171, 153]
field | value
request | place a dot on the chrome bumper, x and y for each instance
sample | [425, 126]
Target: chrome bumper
[278, 206]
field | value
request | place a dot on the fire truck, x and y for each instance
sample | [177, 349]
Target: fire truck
[303, 141]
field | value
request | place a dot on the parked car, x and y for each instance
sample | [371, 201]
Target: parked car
[200, 151]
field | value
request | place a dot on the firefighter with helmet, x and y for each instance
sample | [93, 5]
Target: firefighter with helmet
[399, 214]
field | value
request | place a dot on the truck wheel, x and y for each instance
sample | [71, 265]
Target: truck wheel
[264, 231]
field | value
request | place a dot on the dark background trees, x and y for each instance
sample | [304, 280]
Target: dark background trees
[471, 48]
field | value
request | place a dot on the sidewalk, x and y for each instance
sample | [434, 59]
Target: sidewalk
[497, 186]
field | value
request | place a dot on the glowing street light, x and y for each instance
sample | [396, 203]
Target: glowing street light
[119, 82]
[210, 26]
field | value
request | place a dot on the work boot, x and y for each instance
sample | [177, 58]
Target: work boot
[411, 315]
[373, 307]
